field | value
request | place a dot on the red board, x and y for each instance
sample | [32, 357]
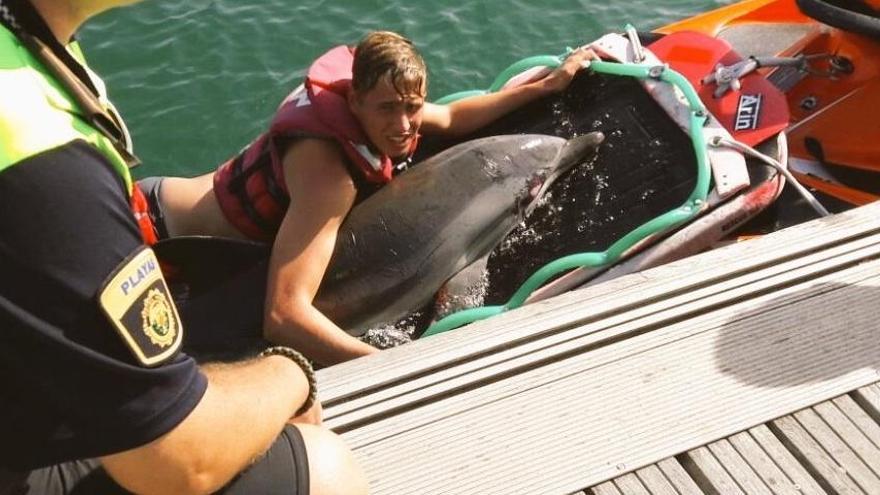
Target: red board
[752, 114]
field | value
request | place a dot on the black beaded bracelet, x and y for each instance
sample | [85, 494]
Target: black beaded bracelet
[305, 365]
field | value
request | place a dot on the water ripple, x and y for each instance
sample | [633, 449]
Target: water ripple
[196, 80]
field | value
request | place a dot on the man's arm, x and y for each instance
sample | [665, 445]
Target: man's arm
[244, 408]
[470, 114]
[322, 193]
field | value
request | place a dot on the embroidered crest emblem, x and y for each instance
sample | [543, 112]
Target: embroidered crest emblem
[158, 320]
[136, 300]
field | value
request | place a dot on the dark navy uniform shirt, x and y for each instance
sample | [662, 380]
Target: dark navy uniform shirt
[70, 387]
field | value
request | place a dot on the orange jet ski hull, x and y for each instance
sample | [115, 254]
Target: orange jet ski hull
[832, 105]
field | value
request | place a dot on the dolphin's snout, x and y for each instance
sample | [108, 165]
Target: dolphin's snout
[576, 150]
[580, 148]
[595, 137]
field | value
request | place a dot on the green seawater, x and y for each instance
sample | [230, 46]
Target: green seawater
[198, 80]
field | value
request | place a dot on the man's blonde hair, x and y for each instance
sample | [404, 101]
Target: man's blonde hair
[383, 54]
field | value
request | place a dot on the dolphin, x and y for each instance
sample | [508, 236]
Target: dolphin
[397, 248]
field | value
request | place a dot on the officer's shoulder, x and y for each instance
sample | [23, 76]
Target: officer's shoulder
[34, 114]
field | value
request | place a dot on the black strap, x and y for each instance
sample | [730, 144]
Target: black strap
[854, 16]
[273, 188]
[237, 187]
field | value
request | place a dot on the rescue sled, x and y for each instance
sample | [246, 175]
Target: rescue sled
[671, 179]
[787, 77]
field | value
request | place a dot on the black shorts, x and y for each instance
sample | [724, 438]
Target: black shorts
[152, 188]
[284, 469]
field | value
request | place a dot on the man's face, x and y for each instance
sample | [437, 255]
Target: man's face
[390, 120]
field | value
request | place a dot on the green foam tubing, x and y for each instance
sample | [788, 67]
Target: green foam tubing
[499, 82]
[459, 96]
[668, 220]
[524, 65]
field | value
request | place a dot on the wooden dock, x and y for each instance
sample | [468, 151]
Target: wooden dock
[749, 369]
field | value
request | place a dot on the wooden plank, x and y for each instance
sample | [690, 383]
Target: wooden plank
[629, 484]
[607, 488]
[522, 356]
[581, 371]
[654, 480]
[592, 334]
[565, 315]
[827, 472]
[709, 474]
[807, 348]
[851, 435]
[788, 464]
[680, 479]
[867, 425]
[399, 366]
[605, 356]
[738, 468]
[762, 464]
[869, 398]
[842, 454]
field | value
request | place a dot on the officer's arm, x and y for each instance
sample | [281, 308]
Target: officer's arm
[322, 193]
[245, 407]
[468, 115]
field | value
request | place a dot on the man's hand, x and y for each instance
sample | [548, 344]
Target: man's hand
[469, 114]
[561, 77]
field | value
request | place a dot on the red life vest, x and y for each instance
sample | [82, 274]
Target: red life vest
[141, 209]
[250, 187]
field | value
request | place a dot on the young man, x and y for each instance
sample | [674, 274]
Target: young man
[96, 394]
[332, 141]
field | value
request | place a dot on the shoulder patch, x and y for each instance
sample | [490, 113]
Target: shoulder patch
[137, 301]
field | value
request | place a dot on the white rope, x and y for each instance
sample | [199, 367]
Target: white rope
[718, 141]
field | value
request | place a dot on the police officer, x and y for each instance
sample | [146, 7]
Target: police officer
[96, 394]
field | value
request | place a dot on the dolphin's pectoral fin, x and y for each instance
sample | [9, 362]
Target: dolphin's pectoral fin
[466, 289]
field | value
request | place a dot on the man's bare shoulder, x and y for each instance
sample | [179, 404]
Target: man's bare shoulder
[316, 163]
[310, 149]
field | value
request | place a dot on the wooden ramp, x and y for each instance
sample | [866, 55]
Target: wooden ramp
[832, 447]
[674, 380]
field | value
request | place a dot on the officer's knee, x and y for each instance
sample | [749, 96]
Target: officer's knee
[333, 469]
